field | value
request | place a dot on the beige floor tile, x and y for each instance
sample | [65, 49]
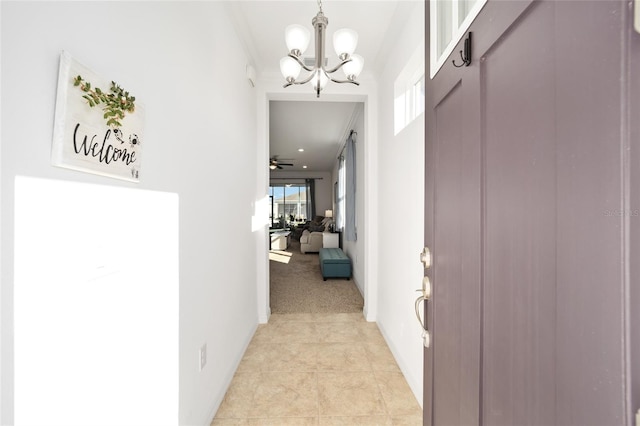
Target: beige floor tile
[369, 332]
[397, 395]
[349, 394]
[287, 332]
[238, 401]
[380, 357]
[230, 422]
[286, 395]
[317, 317]
[406, 420]
[272, 357]
[254, 358]
[284, 421]
[344, 317]
[337, 332]
[277, 318]
[356, 421]
[342, 357]
[274, 421]
[312, 369]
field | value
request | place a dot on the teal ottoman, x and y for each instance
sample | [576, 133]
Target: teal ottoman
[334, 263]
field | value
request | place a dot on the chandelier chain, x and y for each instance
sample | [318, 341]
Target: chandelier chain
[320, 5]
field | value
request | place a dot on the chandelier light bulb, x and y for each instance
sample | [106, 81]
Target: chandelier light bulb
[297, 38]
[345, 41]
[353, 68]
[323, 79]
[289, 68]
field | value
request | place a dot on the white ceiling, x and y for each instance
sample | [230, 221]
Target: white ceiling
[318, 127]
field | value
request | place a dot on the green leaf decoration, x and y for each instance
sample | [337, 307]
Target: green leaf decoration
[116, 103]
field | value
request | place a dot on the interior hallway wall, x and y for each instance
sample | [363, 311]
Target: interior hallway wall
[401, 212]
[199, 109]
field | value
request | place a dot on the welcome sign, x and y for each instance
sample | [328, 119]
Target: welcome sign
[98, 125]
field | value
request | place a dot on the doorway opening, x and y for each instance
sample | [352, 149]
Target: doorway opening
[310, 138]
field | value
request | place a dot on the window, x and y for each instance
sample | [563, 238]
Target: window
[288, 204]
[409, 91]
[450, 19]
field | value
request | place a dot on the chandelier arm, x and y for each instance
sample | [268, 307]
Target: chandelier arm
[337, 67]
[300, 62]
[306, 80]
[344, 81]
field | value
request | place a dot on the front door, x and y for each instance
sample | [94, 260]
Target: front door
[528, 217]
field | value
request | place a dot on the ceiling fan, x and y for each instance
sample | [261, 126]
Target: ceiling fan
[274, 163]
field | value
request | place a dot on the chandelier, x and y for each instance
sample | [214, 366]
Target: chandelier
[344, 42]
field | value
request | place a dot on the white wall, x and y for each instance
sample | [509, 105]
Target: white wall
[401, 212]
[199, 108]
[356, 249]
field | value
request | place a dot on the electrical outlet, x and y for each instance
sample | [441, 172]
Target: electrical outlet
[203, 356]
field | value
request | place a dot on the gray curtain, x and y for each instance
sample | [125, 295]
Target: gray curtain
[350, 208]
[311, 198]
[339, 195]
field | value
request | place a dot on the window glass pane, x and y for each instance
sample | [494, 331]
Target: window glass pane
[447, 19]
[464, 7]
[288, 204]
[444, 19]
[399, 114]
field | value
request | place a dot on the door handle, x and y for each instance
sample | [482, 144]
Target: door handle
[426, 259]
[426, 337]
[426, 295]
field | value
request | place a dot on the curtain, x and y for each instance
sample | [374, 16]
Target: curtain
[311, 198]
[350, 193]
[339, 214]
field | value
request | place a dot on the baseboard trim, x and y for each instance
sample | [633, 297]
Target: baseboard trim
[416, 386]
[229, 378]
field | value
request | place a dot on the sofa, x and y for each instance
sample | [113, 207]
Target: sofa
[310, 242]
[311, 238]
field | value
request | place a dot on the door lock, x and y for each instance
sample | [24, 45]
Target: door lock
[426, 288]
[425, 257]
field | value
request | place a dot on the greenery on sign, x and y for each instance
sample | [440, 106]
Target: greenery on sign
[114, 104]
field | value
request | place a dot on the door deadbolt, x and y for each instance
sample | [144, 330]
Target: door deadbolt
[425, 257]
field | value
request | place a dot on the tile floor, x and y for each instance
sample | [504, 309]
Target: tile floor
[318, 369]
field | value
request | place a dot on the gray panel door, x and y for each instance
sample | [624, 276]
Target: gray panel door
[529, 159]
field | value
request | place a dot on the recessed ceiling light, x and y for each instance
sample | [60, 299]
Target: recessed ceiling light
[304, 167]
[300, 149]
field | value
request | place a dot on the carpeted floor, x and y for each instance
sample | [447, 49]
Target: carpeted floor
[296, 285]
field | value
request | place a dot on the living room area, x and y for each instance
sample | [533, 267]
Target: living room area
[309, 271]
[314, 206]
